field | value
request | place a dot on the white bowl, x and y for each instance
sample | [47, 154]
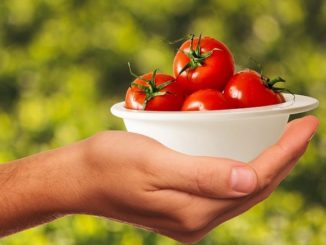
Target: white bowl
[239, 134]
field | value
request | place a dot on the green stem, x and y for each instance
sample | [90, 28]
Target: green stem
[150, 89]
[196, 58]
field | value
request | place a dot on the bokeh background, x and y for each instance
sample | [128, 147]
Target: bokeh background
[64, 62]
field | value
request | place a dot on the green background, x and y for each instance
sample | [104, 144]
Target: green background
[64, 62]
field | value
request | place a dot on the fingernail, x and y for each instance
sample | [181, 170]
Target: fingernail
[243, 179]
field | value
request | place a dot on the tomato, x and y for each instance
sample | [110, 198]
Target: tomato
[202, 63]
[206, 99]
[154, 92]
[248, 88]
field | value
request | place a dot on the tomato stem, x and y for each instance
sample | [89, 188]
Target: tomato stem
[180, 39]
[150, 89]
[196, 58]
[270, 83]
[131, 72]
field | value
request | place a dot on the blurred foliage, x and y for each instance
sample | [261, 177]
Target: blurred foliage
[64, 62]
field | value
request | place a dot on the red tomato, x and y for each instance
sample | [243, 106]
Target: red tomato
[154, 92]
[248, 88]
[206, 99]
[203, 63]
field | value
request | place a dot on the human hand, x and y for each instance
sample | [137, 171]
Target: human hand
[132, 178]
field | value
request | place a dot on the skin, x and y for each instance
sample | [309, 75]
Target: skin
[147, 185]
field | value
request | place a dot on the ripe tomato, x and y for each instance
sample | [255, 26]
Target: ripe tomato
[206, 99]
[248, 88]
[154, 92]
[202, 63]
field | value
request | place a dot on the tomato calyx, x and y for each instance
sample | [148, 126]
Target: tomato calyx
[150, 89]
[270, 83]
[196, 57]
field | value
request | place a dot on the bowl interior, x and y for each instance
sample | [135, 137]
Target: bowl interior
[294, 104]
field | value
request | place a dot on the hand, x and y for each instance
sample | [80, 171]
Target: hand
[134, 179]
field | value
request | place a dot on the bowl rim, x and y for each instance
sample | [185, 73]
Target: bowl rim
[294, 104]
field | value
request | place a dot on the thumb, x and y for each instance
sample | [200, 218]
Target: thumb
[208, 176]
[280, 158]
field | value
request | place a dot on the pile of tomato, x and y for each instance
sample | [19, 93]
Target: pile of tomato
[204, 79]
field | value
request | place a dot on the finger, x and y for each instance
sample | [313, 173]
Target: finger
[243, 204]
[223, 178]
[297, 148]
[240, 206]
[206, 176]
[189, 216]
[232, 209]
[262, 194]
[190, 212]
[290, 147]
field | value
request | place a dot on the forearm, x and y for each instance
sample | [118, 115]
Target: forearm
[39, 188]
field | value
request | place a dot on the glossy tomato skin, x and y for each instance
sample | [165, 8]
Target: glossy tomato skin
[215, 71]
[206, 99]
[247, 89]
[171, 101]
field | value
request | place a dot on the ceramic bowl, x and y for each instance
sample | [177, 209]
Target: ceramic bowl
[239, 134]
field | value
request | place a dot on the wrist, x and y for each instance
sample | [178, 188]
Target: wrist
[83, 178]
[67, 178]
[40, 188]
